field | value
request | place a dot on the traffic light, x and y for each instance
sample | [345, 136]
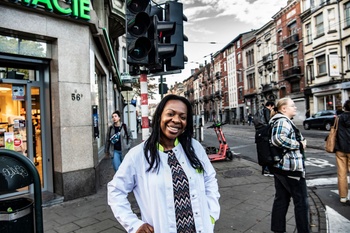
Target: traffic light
[157, 32]
[162, 88]
[174, 13]
[137, 25]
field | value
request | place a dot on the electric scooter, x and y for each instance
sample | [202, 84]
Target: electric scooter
[224, 152]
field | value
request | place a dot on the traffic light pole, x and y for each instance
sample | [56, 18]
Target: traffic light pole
[161, 86]
[144, 105]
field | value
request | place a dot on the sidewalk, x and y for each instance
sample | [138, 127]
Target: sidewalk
[246, 203]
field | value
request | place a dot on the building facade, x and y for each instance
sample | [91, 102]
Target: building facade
[326, 29]
[302, 53]
[59, 84]
[290, 57]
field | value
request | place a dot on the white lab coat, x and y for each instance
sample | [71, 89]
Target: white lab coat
[154, 191]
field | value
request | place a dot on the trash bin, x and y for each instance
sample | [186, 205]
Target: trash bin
[16, 215]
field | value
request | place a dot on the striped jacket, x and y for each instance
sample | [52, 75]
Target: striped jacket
[285, 136]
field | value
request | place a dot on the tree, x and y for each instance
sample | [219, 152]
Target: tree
[152, 88]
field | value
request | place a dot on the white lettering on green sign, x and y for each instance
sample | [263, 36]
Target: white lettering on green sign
[78, 8]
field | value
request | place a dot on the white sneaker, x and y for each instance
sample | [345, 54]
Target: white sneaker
[343, 199]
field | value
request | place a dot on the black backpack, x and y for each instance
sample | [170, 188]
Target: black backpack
[260, 119]
[268, 154]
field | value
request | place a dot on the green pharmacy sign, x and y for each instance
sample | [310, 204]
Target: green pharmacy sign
[74, 8]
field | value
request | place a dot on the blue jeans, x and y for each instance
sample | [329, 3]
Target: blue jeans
[287, 188]
[117, 159]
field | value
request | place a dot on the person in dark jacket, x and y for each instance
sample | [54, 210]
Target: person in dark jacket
[262, 120]
[263, 115]
[343, 152]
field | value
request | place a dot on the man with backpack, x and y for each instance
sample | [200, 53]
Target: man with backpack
[261, 120]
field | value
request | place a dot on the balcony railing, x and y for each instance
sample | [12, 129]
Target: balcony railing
[206, 98]
[290, 41]
[267, 58]
[212, 97]
[292, 72]
[266, 87]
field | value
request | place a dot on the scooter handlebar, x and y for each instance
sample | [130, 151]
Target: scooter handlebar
[216, 125]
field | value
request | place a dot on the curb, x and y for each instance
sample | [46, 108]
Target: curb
[318, 219]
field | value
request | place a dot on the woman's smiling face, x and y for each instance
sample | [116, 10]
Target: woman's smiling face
[173, 120]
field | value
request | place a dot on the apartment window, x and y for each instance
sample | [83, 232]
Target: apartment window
[124, 59]
[310, 72]
[312, 3]
[239, 57]
[280, 37]
[331, 20]
[250, 58]
[295, 86]
[319, 25]
[293, 58]
[348, 56]
[238, 44]
[280, 65]
[321, 65]
[240, 93]
[306, 4]
[250, 79]
[239, 76]
[292, 29]
[347, 14]
[308, 33]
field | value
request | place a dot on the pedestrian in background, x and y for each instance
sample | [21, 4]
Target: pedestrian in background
[118, 140]
[250, 119]
[342, 149]
[261, 119]
[173, 181]
[289, 171]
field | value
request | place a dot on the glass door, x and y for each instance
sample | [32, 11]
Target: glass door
[20, 121]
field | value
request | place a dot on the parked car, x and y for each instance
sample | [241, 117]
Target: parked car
[321, 120]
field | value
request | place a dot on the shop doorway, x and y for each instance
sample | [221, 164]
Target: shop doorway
[23, 118]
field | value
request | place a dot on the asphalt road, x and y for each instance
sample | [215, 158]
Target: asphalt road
[321, 170]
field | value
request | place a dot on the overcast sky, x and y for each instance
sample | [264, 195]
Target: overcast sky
[219, 21]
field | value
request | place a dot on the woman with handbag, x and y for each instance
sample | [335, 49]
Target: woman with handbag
[343, 152]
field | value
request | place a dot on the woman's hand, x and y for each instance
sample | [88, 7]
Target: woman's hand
[304, 143]
[145, 228]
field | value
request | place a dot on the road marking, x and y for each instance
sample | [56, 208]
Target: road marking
[336, 222]
[322, 163]
[321, 181]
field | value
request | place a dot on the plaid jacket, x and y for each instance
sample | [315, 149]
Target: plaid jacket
[284, 136]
